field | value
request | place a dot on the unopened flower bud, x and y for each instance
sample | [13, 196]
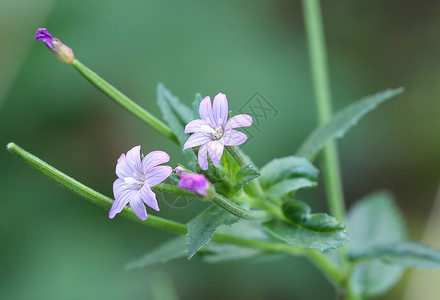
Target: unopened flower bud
[62, 52]
[195, 183]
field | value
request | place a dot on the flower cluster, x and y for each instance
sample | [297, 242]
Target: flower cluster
[136, 175]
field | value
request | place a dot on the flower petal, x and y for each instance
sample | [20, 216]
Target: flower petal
[242, 120]
[153, 159]
[133, 159]
[194, 125]
[122, 197]
[215, 150]
[234, 138]
[149, 197]
[195, 140]
[138, 207]
[220, 109]
[157, 174]
[122, 168]
[203, 157]
[205, 110]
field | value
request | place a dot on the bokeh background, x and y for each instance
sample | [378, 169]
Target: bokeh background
[55, 245]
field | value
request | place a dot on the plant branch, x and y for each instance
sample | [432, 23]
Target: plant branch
[123, 100]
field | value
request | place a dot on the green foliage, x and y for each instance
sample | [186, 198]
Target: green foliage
[196, 105]
[243, 176]
[202, 228]
[342, 122]
[287, 174]
[407, 254]
[296, 211]
[374, 221]
[170, 250]
[319, 231]
[289, 185]
[175, 113]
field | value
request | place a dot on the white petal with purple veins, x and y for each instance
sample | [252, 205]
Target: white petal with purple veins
[220, 109]
[194, 125]
[157, 174]
[138, 207]
[205, 110]
[153, 159]
[195, 140]
[203, 157]
[149, 197]
[121, 201]
[133, 159]
[215, 150]
[242, 120]
[234, 138]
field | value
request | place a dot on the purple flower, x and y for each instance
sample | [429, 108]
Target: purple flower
[63, 52]
[195, 183]
[213, 130]
[136, 178]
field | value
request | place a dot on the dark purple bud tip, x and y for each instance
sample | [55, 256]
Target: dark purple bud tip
[63, 52]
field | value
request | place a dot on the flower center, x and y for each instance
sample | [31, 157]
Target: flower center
[216, 133]
[136, 180]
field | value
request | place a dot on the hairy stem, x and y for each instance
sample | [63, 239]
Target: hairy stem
[123, 100]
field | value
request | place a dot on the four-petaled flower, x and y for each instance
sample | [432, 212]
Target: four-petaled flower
[136, 178]
[63, 52]
[213, 130]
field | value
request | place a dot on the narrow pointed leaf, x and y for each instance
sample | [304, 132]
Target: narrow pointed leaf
[172, 249]
[202, 228]
[281, 169]
[243, 176]
[289, 185]
[407, 254]
[342, 122]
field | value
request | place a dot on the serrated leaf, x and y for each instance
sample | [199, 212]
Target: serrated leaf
[243, 176]
[285, 168]
[342, 122]
[406, 254]
[175, 113]
[289, 185]
[319, 232]
[373, 278]
[374, 221]
[202, 228]
[172, 249]
[196, 105]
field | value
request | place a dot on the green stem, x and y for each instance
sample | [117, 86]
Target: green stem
[218, 199]
[318, 61]
[254, 185]
[123, 100]
[105, 202]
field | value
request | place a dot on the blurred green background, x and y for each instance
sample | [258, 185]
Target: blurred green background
[55, 245]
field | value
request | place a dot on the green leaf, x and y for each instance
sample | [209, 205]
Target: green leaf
[202, 228]
[342, 122]
[373, 278]
[289, 185]
[296, 211]
[320, 231]
[374, 221]
[173, 249]
[407, 254]
[175, 113]
[281, 169]
[222, 253]
[243, 176]
[196, 105]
